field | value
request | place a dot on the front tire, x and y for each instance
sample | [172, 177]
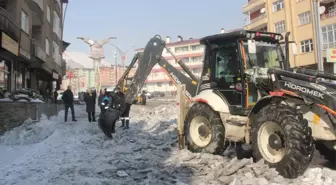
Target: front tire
[283, 138]
[204, 130]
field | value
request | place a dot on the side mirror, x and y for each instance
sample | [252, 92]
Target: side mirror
[252, 48]
[294, 49]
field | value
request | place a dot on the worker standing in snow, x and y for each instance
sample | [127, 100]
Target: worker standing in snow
[101, 98]
[68, 99]
[89, 100]
[125, 119]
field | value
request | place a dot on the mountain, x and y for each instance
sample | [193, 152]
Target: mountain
[80, 60]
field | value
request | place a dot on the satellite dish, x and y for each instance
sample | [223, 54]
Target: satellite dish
[263, 10]
[322, 9]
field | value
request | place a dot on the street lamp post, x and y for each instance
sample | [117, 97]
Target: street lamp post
[121, 53]
[115, 67]
[97, 54]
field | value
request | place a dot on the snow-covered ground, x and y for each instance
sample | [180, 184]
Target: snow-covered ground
[54, 152]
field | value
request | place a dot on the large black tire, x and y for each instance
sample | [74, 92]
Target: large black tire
[217, 143]
[297, 139]
[327, 153]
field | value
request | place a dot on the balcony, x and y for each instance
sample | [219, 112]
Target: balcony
[38, 51]
[257, 23]
[254, 5]
[58, 68]
[9, 25]
[37, 8]
[329, 16]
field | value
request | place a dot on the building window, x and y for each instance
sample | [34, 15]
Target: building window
[5, 74]
[48, 14]
[278, 5]
[47, 47]
[185, 60]
[24, 22]
[159, 84]
[181, 49]
[196, 59]
[196, 47]
[57, 25]
[329, 36]
[280, 27]
[307, 46]
[304, 18]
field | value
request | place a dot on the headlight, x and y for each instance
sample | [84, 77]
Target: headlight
[248, 35]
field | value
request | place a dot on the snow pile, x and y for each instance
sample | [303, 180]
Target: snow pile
[53, 152]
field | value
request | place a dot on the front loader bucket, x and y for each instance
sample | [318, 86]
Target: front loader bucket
[107, 121]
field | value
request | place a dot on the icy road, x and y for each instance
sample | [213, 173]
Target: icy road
[54, 152]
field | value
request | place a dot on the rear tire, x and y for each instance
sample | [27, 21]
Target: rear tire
[281, 120]
[213, 140]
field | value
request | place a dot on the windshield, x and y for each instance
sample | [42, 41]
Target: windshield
[268, 55]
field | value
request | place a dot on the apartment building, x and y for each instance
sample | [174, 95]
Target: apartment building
[189, 51]
[31, 44]
[84, 78]
[297, 17]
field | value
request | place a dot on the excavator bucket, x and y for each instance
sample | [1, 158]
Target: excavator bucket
[107, 121]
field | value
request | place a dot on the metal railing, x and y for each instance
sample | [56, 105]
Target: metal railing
[328, 15]
[257, 19]
[38, 51]
[8, 24]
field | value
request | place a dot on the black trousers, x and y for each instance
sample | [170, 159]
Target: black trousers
[126, 111]
[91, 116]
[67, 106]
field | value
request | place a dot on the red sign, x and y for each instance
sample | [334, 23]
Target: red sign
[70, 74]
[123, 57]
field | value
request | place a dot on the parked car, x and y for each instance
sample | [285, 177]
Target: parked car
[158, 94]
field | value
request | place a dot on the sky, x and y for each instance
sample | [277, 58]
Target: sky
[134, 22]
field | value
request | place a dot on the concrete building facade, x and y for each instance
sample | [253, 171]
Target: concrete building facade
[84, 78]
[31, 44]
[297, 17]
[189, 51]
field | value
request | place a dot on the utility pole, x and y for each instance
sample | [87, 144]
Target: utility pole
[115, 67]
[318, 34]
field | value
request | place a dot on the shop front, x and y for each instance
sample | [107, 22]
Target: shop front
[9, 53]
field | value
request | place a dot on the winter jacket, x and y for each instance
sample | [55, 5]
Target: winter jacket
[100, 99]
[68, 97]
[90, 102]
[118, 101]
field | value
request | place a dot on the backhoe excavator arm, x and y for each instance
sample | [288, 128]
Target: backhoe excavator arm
[147, 59]
[179, 78]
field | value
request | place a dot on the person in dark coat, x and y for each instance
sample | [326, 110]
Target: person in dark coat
[90, 105]
[108, 119]
[68, 98]
[55, 96]
[94, 93]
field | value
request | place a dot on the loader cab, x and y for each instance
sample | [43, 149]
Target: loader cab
[227, 58]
